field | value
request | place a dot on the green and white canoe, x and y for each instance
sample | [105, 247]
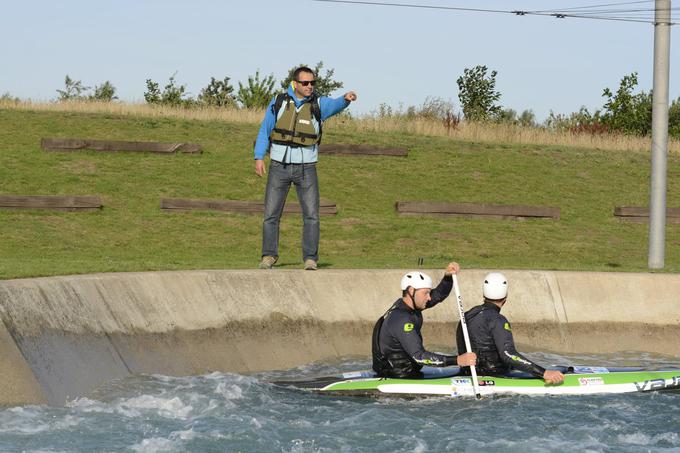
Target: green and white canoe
[447, 382]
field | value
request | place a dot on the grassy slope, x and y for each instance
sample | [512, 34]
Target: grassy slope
[132, 234]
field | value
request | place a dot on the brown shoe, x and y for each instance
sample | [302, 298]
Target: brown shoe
[267, 262]
[310, 265]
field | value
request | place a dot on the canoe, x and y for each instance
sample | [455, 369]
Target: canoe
[448, 382]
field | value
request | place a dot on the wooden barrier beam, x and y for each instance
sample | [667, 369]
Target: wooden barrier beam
[640, 214]
[476, 210]
[238, 206]
[354, 150]
[54, 202]
[75, 144]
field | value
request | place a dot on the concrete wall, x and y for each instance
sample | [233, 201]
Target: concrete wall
[63, 336]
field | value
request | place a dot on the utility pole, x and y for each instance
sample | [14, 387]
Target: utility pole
[657, 204]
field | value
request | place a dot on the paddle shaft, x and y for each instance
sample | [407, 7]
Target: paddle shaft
[466, 336]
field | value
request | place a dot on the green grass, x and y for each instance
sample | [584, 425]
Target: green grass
[131, 233]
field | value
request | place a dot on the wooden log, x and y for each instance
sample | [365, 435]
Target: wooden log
[476, 210]
[238, 206]
[54, 202]
[74, 144]
[354, 150]
[640, 214]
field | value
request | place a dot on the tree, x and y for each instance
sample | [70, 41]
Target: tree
[435, 108]
[172, 94]
[105, 92]
[674, 119]
[581, 122]
[258, 93]
[627, 112]
[325, 85]
[477, 94]
[73, 90]
[507, 116]
[527, 118]
[8, 98]
[218, 93]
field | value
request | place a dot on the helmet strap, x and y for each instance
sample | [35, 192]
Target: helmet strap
[413, 299]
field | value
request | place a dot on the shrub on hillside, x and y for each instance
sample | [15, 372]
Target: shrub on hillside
[627, 112]
[74, 90]
[8, 98]
[172, 95]
[218, 93]
[478, 95]
[258, 93]
[581, 122]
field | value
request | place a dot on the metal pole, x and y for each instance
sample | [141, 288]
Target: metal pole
[657, 204]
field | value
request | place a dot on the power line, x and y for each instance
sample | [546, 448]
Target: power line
[618, 15]
[594, 6]
[406, 5]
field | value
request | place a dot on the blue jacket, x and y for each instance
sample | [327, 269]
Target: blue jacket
[297, 155]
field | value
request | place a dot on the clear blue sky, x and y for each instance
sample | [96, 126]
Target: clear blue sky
[388, 55]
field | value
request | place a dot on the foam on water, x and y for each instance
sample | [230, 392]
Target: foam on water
[230, 412]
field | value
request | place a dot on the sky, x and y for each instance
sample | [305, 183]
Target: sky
[389, 55]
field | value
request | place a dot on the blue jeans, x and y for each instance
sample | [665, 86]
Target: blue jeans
[307, 186]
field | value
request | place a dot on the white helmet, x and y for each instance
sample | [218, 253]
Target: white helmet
[417, 280]
[495, 286]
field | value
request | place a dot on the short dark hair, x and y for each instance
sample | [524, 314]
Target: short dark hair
[297, 72]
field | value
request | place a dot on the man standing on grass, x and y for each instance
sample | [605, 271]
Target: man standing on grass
[291, 132]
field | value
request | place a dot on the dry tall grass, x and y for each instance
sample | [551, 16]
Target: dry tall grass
[141, 110]
[504, 133]
[478, 132]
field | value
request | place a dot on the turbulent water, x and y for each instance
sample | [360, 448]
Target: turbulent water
[230, 412]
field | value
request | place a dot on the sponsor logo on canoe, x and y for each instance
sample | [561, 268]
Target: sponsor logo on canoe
[590, 369]
[590, 381]
[461, 382]
[487, 382]
[657, 384]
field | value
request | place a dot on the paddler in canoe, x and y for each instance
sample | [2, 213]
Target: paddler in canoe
[491, 336]
[398, 350]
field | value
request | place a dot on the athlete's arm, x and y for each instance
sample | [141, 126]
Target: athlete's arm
[412, 344]
[443, 290]
[505, 344]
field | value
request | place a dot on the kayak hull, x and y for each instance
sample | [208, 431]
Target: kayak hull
[585, 381]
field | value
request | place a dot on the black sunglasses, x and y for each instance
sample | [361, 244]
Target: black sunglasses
[304, 83]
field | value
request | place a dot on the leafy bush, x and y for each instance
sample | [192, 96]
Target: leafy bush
[577, 122]
[218, 93]
[172, 94]
[8, 98]
[105, 92]
[627, 112]
[478, 95]
[525, 119]
[325, 85]
[258, 93]
[674, 119]
[74, 90]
